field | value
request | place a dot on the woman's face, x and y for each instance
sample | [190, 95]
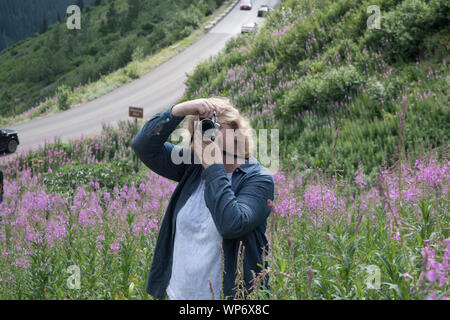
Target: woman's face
[226, 139]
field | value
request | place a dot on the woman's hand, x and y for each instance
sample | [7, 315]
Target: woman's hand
[206, 150]
[270, 204]
[201, 107]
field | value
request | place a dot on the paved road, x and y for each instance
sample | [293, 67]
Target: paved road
[155, 91]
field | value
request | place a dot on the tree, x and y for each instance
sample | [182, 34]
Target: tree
[132, 15]
[44, 26]
[5, 103]
[80, 3]
[58, 17]
[133, 9]
[56, 37]
[111, 15]
[3, 41]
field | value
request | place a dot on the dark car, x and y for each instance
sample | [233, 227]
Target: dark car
[9, 140]
[263, 10]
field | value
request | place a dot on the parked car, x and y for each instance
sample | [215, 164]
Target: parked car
[9, 140]
[246, 5]
[248, 27]
[263, 10]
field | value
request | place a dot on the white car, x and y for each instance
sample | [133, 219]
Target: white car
[246, 5]
[248, 27]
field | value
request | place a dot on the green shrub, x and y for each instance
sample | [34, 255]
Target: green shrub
[147, 27]
[201, 74]
[318, 91]
[404, 28]
[375, 90]
[62, 96]
[67, 178]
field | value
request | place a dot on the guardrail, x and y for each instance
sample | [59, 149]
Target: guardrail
[210, 25]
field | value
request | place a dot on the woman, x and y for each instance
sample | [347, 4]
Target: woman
[218, 206]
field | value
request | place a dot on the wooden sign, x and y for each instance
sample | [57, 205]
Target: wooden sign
[136, 112]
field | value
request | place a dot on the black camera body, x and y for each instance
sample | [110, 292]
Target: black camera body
[205, 124]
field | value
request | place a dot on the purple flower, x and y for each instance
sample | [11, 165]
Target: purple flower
[359, 179]
[396, 236]
[114, 246]
[431, 275]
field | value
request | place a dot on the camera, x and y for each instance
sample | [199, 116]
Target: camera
[206, 124]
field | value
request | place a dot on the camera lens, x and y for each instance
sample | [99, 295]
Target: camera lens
[206, 124]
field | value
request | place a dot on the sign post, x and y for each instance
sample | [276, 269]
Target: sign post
[135, 113]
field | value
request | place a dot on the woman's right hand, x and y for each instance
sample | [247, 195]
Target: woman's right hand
[201, 107]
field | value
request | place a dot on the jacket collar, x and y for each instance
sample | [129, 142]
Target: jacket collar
[249, 164]
[246, 167]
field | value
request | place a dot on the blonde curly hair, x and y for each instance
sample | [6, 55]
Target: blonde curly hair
[228, 114]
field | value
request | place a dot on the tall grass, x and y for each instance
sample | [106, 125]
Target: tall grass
[325, 234]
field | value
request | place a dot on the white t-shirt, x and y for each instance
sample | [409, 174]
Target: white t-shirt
[196, 252]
